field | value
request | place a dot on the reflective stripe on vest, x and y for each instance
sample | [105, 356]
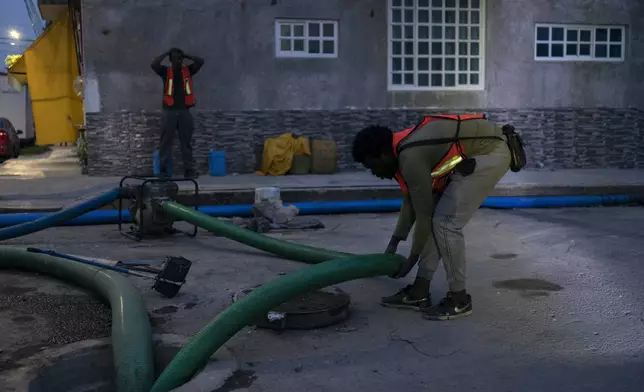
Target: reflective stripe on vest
[447, 164]
[168, 92]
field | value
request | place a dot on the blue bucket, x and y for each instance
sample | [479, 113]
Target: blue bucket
[217, 163]
[157, 165]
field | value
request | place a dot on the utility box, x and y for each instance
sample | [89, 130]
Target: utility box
[324, 156]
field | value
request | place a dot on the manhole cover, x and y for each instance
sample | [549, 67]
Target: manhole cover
[316, 309]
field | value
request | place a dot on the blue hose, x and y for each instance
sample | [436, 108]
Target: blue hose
[19, 226]
[64, 218]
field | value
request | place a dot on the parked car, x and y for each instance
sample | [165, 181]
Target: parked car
[9, 140]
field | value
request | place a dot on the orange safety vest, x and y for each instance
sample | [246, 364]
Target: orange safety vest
[168, 98]
[453, 157]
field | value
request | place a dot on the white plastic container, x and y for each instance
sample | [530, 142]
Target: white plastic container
[267, 194]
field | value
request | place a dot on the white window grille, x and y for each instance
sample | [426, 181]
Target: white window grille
[436, 44]
[306, 38]
[556, 42]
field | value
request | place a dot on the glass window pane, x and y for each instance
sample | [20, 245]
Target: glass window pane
[285, 44]
[437, 16]
[615, 35]
[409, 64]
[450, 48]
[437, 64]
[557, 34]
[450, 3]
[601, 35]
[584, 35]
[450, 64]
[450, 16]
[543, 33]
[396, 16]
[615, 51]
[475, 4]
[437, 3]
[462, 64]
[396, 31]
[298, 31]
[409, 16]
[423, 3]
[328, 47]
[450, 32]
[423, 79]
[396, 78]
[556, 50]
[409, 32]
[584, 50]
[543, 50]
[409, 48]
[474, 17]
[437, 48]
[423, 48]
[409, 3]
[285, 30]
[462, 17]
[474, 33]
[474, 64]
[437, 32]
[423, 16]
[571, 49]
[396, 3]
[328, 30]
[601, 51]
[462, 78]
[314, 46]
[571, 35]
[409, 78]
[423, 32]
[474, 48]
[396, 47]
[298, 45]
[437, 80]
[463, 3]
[462, 33]
[314, 29]
[474, 78]
[423, 64]
[396, 63]
[462, 48]
[450, 80]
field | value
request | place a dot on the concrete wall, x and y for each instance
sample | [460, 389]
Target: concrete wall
[245, 94]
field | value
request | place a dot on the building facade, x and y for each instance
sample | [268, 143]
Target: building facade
[566, 73]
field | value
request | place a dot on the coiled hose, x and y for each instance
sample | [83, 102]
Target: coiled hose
[60, 217]
[131, 331]
[194, 355]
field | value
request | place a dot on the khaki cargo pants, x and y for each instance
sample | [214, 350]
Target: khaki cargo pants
[455, 207]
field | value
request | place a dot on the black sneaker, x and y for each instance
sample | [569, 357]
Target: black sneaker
[449, 309]
[402, 300]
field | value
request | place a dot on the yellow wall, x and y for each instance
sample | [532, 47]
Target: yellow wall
[51, 70]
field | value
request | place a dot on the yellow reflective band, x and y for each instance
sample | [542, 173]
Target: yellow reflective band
[188, 87]
[447, 166]
[169, 87]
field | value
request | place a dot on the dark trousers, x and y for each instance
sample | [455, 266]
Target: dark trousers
[176, 121]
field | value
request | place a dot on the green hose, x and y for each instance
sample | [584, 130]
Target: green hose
[285, 249]
[131, 331]
[194, 355]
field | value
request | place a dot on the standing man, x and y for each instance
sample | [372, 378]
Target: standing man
[178, 98]
[446, 166]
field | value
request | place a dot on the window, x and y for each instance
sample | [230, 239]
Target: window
[436, 44]
[579, 43]
[306, 38]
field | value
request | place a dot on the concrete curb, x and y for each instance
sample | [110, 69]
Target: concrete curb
[212, 197]
[94, 357]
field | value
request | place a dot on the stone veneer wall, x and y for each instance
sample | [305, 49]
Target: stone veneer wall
[123, 143]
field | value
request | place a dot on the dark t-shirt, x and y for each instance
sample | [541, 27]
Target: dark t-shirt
[178, 91]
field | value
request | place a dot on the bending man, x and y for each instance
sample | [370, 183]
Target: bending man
[446, 166]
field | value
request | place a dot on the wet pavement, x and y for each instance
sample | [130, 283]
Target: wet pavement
[557, 306]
